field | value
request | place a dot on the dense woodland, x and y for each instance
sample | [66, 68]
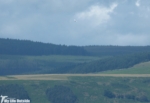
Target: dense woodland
[115, 50]
[26, 47]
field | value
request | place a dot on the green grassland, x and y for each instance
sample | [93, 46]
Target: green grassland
[141, 68]
[89, 88]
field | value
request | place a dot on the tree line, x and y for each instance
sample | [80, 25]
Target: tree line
[26, 47]
[112, 95]
[109, 50]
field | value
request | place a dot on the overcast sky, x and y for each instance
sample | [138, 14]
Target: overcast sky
[75, 22]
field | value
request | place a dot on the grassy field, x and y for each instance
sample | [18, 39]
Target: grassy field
[142, 68]
[89, 88]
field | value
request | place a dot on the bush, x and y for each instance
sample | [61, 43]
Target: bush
[130, 97]
[14, 91]
[109, 94]
[142, 98]
[61, 94]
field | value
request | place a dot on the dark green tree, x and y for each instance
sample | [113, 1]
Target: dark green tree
[61, 94]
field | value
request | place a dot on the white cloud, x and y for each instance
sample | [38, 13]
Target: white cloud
[11, 29]
[119, 39]
[137, 3]
[148, 9]
[98, 22]
[96, 14]
[128, 39]
[6, 1]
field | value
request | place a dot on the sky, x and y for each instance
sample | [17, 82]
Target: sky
[77, 22]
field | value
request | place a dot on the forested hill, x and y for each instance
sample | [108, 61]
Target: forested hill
[115, 50]
[26, 47]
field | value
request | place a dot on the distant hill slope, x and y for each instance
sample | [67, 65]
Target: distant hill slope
[28, 57]
[26, 47]
[115, 50]
[141, 68]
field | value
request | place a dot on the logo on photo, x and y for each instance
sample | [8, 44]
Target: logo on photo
[5, 99]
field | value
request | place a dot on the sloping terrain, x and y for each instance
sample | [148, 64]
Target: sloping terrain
[85, 89]
[141, 68]
[110, 50]
[14, 64]
[111, 63]
[54, 64]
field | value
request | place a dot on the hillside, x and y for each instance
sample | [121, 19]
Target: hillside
[79, 89]
[115, 50]
[13, 64]
[141, 68]
[111, 63]
[27, 47]
[16, 64]
[28, 57]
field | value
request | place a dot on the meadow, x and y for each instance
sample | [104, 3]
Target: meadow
[141, 68]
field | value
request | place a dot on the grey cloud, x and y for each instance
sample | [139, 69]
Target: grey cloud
[53, 21]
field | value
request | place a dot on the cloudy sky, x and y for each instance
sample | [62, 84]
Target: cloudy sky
[77, 22]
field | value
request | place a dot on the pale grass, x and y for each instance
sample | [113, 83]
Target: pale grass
[65, 76]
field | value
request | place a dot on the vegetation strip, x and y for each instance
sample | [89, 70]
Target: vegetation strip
[65, 76]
